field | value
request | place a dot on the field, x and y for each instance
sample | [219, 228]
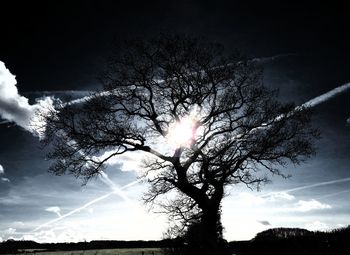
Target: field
[131, 251]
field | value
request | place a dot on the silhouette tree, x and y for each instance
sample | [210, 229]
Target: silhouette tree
[203, 117]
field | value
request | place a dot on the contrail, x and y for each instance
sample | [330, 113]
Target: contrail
[311, 103]
[264, 60]
[59, 92]
[335, 193]
[104, 178]
[107, 93]
[4, 122]
[328, 95]
[88, 98]
[85, 206]
[319, 184]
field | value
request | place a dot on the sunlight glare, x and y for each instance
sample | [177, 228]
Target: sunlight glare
[182, 133]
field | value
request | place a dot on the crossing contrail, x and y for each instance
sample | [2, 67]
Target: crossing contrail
[319, 184]
[85, 206]
[104, 178]
[311, 103]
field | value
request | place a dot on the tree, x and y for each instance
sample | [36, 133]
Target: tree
[204, 118]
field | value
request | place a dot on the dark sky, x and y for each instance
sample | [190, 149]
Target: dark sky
[63, 45]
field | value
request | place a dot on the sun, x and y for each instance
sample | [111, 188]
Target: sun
[182, 133]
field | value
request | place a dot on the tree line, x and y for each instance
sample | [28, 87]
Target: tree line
[281, 241]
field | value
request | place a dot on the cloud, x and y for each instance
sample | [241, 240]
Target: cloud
[3, 179]
[16, 108]
[18, 224]
[104, 224]
[264, 222]
[2, 172]
[275, 196]
[278, 202]
[54, 209]
[250, 199]
[305, 206]
[132, 161]
[10, 231]
[339, 225]
[46, 236]
[348, 122]
[317, 226]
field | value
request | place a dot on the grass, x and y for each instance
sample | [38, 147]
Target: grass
[131, 251]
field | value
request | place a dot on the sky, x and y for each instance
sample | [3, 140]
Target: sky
[58, 48]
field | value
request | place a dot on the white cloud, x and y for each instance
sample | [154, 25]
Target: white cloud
[45, 236]
[276, 196]
[250, 199]
[246, 223]
[339, 225]
[4, 179]
[54, 209]
[132, 223]
[10, 231]
[317, 225]
[2, 171]
[18, 224]
[1, 239]
[16, 108]
[241, 211]
[131, 161]
[305, 206]
[276, 202]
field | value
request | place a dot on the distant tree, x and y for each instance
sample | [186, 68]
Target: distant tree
[204, 118]
[282, 233]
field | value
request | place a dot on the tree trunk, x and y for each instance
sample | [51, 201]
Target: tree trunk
[205, 237]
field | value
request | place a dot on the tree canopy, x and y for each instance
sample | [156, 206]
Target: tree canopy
[204, 117]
